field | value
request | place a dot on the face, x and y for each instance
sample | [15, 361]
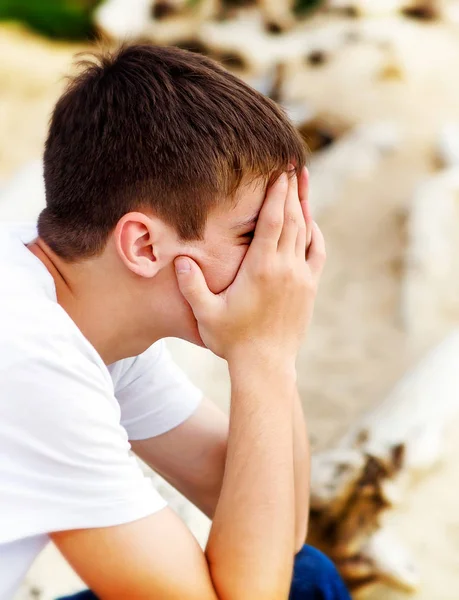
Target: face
[228, 234]
[227, 237]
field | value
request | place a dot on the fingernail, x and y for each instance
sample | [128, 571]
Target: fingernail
[182, 265]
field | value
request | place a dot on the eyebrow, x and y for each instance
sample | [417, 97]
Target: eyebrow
[246, 224]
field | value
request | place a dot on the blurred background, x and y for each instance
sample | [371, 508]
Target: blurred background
[373, 87]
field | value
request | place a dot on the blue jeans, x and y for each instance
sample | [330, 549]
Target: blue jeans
[314, 578]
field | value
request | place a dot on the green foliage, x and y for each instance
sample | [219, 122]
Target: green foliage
[72, 19]
[300, 6]
[69, 19]
[303, 6]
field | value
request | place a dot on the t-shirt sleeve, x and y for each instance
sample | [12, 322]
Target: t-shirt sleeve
[68, 464]
[153, 393]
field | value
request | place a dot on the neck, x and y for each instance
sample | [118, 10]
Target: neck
[100, 304]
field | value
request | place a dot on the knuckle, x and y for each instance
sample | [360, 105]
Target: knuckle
[287, 273]
[262, 275]
[291, 218]
[262, 270]
[274, 223]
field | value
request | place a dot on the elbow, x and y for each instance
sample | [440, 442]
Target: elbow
[250, 594]
[231, 585]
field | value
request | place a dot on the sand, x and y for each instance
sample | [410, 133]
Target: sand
[357, 346]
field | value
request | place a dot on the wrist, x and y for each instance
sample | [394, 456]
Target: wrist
[263, 362]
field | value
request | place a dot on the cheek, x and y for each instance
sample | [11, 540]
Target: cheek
[220, 273]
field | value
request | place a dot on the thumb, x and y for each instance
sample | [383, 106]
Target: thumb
[192, 284]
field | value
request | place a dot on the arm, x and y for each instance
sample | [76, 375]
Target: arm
[256, 325]
[301, 449]
[301, 466]
[192, 457]
[142, 559]
[238, 551]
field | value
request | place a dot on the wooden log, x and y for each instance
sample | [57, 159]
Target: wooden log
[122, 19]
[170, 21]
[355, 154]
[366, 7]
[430, 289]
[259, 50]
[419, 9]
[278, 15]
[447, 152]
[450, 12]
[373, 467]
[160, 21]
[23, 197]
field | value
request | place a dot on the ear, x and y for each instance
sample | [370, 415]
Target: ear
[136, 239]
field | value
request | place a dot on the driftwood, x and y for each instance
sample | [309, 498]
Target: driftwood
[419, 9]
[169, 21]
[23, 196]
[430, 289]
[371, 470]
[424, 10]
[447, 152]
[365, 7]
[278, 15]
[355, 154]
[122, 19]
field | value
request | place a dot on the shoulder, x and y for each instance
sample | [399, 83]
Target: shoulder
[124, 371]
[153, 393]
[35, 328]
[49, 368]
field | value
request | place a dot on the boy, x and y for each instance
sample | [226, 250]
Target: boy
[172, 210]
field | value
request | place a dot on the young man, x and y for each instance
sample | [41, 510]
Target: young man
[172, 210]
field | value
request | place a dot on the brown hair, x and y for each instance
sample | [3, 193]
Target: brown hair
[154, 128]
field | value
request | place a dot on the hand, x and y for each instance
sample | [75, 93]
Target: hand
[267, 308]
[303, 192]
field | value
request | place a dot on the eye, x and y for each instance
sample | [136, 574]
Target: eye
[247, 237]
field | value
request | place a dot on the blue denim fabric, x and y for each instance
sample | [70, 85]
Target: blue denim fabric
[314, 578]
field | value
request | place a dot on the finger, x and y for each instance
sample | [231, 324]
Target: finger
[316, 252]
[271, 217]
[303, 189]
[304, 233]
[292, 218]
[193, 286]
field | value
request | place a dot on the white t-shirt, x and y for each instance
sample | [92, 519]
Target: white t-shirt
[66, 418]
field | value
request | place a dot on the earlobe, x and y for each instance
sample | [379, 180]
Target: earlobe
[135, 243]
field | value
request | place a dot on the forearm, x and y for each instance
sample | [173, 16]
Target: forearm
[251, 544]
[301, 463]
